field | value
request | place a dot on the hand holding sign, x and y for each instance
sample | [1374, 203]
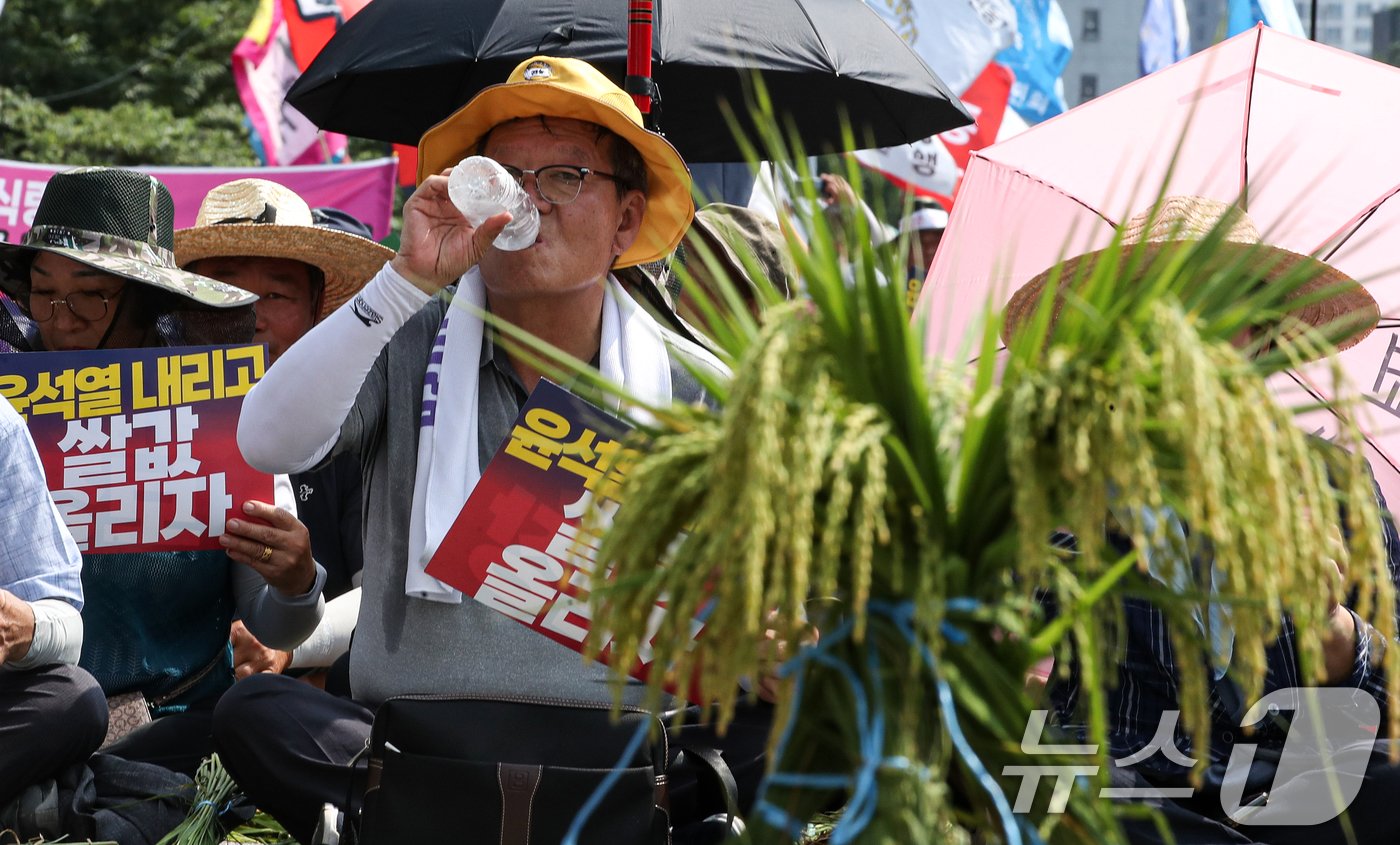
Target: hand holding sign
[279, 549]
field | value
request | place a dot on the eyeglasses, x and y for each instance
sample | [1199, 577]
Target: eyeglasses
[85, 305]
[558, 184]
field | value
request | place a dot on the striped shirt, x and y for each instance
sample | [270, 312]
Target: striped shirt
[1148, 683]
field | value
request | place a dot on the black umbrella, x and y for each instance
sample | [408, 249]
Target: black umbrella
[400, 66]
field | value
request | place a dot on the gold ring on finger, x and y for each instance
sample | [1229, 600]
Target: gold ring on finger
[266, 554]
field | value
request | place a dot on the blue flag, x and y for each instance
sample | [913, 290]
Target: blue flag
[1279, 14]
[1164, 37]
[1042, 48]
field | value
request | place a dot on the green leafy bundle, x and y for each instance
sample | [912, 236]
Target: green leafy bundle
[904, 509]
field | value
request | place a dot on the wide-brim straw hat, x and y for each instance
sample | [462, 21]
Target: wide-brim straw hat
[255, 218]
[118, 221]
[570, 88]
[1336, 301]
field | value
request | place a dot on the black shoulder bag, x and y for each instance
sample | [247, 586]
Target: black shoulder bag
[517, 771]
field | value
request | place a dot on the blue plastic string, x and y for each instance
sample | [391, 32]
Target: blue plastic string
[863, 784]
[228, 805]
[770, 813]
[947, 710]
[865, 799]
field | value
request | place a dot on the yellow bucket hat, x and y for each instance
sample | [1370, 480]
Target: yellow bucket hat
[570, 88]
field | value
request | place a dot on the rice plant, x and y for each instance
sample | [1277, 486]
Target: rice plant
[903, 509]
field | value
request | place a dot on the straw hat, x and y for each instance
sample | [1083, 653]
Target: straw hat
[118, 221]
[570, 88]
[1187, 218]
[262, 219]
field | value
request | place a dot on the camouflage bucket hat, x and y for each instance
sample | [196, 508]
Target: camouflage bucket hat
[118, 221]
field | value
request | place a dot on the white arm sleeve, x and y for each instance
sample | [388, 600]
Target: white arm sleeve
[58, 635]
[880, 232]
[315, 382]
[331, 638]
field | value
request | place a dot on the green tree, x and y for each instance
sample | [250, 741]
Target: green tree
[122, 82]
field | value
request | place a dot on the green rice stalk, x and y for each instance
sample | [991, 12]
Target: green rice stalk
[846, 484]
[214, 787]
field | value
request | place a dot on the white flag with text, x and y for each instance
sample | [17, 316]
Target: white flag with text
[955, 38]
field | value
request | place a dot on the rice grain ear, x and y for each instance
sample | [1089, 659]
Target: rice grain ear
[909, 514]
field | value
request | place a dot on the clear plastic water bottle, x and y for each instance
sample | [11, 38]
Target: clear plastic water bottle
[481, 188]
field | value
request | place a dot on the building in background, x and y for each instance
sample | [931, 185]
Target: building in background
[1207, 19]
[1106, 35]
[1385, 35]
[1343, 23]
[1105, 46]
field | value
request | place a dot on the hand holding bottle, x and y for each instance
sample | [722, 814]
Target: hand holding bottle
[481, 187]
[438, 244]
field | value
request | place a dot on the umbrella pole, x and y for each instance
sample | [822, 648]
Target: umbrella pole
[1312, 31]
[639, 29]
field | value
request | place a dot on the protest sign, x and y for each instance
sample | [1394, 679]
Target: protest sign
[521, 544]
[139, 445]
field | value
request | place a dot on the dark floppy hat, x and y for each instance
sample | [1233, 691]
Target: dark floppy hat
[730, 232]
[118, 221]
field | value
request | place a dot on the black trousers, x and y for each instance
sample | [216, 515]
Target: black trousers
[289, 744]
[50, 718]
[176, 741]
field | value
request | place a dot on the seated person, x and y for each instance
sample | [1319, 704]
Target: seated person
[924, 228]
[97, 271]
[734, 235]
[301, 271]
[423, 395]
[52, 714]
[1147, 690]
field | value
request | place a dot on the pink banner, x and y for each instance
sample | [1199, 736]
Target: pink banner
[364, 189]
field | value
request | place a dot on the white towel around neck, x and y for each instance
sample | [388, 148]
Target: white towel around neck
[632, 353]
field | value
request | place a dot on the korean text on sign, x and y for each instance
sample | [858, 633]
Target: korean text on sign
[139, 444]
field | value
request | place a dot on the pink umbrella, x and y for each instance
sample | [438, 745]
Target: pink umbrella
[1303, 135]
